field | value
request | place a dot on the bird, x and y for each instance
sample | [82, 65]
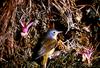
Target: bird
[48, 46]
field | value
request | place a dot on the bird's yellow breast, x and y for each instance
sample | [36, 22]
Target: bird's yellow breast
[51, 52]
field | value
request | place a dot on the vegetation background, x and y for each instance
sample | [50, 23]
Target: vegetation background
[78, 45]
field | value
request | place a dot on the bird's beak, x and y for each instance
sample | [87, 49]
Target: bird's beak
[59, 32]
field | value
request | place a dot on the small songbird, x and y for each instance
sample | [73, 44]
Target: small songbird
[49, 45]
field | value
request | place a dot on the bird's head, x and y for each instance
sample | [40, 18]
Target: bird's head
[53, 34]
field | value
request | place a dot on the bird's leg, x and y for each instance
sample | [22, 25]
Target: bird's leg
[45, 59]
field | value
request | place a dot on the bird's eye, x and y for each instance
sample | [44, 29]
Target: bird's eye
[54, 32]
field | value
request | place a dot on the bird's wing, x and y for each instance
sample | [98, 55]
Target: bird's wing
[48, 44]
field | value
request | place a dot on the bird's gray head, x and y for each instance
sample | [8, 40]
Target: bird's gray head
[53, 34]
